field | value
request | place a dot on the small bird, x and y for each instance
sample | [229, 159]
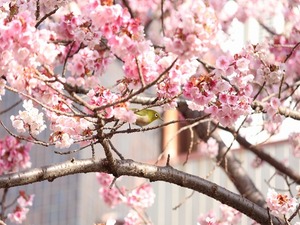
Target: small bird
[145, 116]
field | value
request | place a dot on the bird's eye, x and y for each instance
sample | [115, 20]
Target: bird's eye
[156, 115]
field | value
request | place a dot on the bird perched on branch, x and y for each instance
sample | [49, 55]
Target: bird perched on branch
[145, 116]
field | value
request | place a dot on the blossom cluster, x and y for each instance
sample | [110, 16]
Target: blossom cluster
[21, 210]
[24, 48]
[280, 204]
[191, 29]
[14, 155]
[101, 96]
[138, 199]
[228, 216]
[30, 119]
[209, 148]
[225, 93]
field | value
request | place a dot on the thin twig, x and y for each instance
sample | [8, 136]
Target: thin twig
[93, 151]
[140, 72]
[46, 16]
[184, 200]
[25, 139]
[294, 213]
[260, 90]
[72, 151]
[66, 59]
[115, 150]
[2, 204]
[135, 130]
[11, 107]
[141, 90]
[40, 103]
[162, 17]
[37, 12]
[190, 146]
[291, 53]
[168, 160]
[271, 31]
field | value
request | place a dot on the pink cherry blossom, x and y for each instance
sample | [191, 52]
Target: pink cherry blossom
[124, 115]
[132, 218]
[228, 216]
[280, 204]
[14, 155]
[209, 149]
[20, 212]
[18, 216]
[29, 120]
[141, 197]
[111, 196]
[208, 219]
[24, 200]
[192, 27]
[104, 179]
[222, 62]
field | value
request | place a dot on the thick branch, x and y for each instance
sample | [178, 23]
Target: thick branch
[153, 173]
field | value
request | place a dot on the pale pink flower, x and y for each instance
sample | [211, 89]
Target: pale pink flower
[223, 98]
[25, 200]
[243, 64]
[232, 99]
[209, 148]
[191, 29]
[124, 115]
[141, 197]
[222, 62]
[194, 106]
[104, 179]
[230, 215]
[132, 218]
[29, 120]
[20, 211]
[208, 219]
[64, 141]
[275, 103]
[18, 216]
[111, 196]
[280, 204]
[13, 155]
[256, 162]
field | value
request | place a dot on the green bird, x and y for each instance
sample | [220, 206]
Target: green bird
[145, 116]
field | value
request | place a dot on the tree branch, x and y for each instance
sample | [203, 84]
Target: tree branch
[269, 159]
[153, 173]
[228, 162]
[281, 110]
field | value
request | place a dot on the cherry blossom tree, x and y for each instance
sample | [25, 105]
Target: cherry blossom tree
[55, 54]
